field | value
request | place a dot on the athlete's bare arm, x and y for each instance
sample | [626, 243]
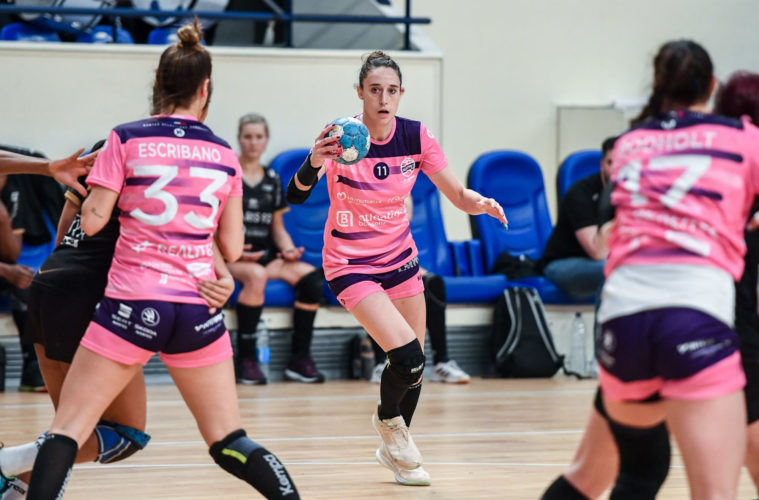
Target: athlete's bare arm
[465, 199]
[97, 208]
[70, 209]
[229, 235]
[65, 170]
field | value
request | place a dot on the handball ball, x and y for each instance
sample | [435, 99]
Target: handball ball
[354, 139]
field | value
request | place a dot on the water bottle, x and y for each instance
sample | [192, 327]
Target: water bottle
[578, 362]
[262, 347]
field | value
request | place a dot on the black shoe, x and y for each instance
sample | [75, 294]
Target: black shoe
[31, 378]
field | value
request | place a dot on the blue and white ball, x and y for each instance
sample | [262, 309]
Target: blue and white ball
[354, 139]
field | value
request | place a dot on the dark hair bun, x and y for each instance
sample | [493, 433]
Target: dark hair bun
[190, 34]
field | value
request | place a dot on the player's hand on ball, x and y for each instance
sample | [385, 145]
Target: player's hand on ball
[493, 209]
[325, 148]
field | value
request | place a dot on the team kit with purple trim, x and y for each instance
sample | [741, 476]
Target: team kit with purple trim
[172, 173]
[367, 211]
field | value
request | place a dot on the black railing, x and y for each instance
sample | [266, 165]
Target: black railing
[284, 17]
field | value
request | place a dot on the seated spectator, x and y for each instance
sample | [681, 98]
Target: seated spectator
[575, 254]
[270, 254]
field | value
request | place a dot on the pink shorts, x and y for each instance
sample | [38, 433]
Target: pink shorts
[131, 331]
[723, 377]
[406, 281]
[109, 345]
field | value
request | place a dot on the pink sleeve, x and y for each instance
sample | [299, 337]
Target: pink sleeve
[109, 171]
[433, 159]
[752, 140]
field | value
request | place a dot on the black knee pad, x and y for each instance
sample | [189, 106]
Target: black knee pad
[434, 287]
[310, 288]
[117, 442]
[644, 456]
[254, 464]
[406, 363]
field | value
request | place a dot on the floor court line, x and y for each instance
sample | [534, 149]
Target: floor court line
[341, 464]
[374, 436]
[269, 399]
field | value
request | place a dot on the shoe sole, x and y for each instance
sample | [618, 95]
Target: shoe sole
[32, 388]
[398, 479]
[245, 381]
[297, 377]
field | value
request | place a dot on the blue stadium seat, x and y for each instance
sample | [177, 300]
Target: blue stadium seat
[576, 166]
[34, 255]
[279, 293]
[305, 222]
[449, 260]
[104, 34]
[24, 32]
[515, 180]
[163, 36]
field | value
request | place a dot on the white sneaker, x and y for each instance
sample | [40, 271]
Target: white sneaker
[407, 477]
[376, 377]
[398, 442]
[449, 372]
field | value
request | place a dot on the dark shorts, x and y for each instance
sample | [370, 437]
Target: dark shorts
[57, 320]
[679, 353]
[131, 331]
[406, 281]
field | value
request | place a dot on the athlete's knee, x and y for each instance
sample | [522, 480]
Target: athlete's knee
[117, 442]
[310, 288]
[252, 276]
[254, 464]
[406, 363]
[644, 457]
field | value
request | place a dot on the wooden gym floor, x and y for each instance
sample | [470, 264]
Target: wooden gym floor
[503, 439]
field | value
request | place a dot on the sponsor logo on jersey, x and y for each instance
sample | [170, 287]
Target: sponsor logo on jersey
[150, 316]
[198, 269]
[408, 265]
[344, 218]
[407, 167]
[142, 246]
[380, 219]
[124, 311]
[341, 195]
[179, 132]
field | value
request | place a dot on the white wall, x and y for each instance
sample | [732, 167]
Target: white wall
[58, 97]
[507, 63]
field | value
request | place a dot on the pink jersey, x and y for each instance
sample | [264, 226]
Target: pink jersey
[367, 228]
[684, 185]
[173, 177]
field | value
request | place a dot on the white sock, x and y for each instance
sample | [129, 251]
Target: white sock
[16, 490]
[19, 459]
